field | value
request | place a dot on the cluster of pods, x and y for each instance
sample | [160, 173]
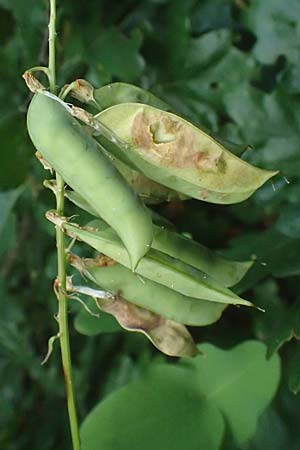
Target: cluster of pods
[132, 153]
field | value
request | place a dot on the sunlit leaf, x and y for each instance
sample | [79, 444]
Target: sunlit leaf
[243, 387]
[162, 410]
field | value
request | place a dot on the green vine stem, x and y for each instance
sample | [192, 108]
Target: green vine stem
[61, 259]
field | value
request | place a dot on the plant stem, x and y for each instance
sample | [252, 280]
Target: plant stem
[52, 53]
[61, 260]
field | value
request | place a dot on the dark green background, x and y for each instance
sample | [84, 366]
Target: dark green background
[231, 66]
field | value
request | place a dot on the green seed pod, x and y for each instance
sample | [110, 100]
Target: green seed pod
[76, 156]
[155, 265]
[114, 94]
[79, 201]
[148, 294]
[226, 272]
[173, 152]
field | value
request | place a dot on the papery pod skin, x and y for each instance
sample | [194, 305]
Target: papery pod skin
[224, 271]
[155, 265]
[170, 337]
[114, 94]
[148, 294]
[175, 153]
[65, 145]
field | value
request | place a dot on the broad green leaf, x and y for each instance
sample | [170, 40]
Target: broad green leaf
[239, 381]
[226, 272]
[211, 15]
[288, 222]
[8, 234]
[15, 151]
[275, 24]
[7, 201]
[207, 86]
[155, 265]
[118, 55]
[280, 323]
[273, 253]
[206, 50]
[285, 328]
[175, 153]
[147, 294]
[163, 410]
[277, 112]
[271, 155]
[114, 94]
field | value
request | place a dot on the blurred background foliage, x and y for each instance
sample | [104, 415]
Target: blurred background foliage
[230, 66]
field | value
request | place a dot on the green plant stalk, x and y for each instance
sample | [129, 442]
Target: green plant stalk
[61, 260]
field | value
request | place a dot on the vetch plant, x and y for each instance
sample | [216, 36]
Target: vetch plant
[131, 152]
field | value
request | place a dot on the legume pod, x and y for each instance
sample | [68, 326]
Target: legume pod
[226, 272]
[170, 337]
[148, 294]
[79, 201]
[155, 265]
[76, 156]
[175, 153]
[114, 94]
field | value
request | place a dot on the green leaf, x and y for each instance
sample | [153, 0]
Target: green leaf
[173, 152]
[207, 50]
[179, 407]
[275, 24]
[15, 151]
[276, 111]
[273, 253]
[210, 15]
[7, 202]
[163, 410]
[280, 323]
[118, 55]
[288, 222]
[214, 69]
[239, 381]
